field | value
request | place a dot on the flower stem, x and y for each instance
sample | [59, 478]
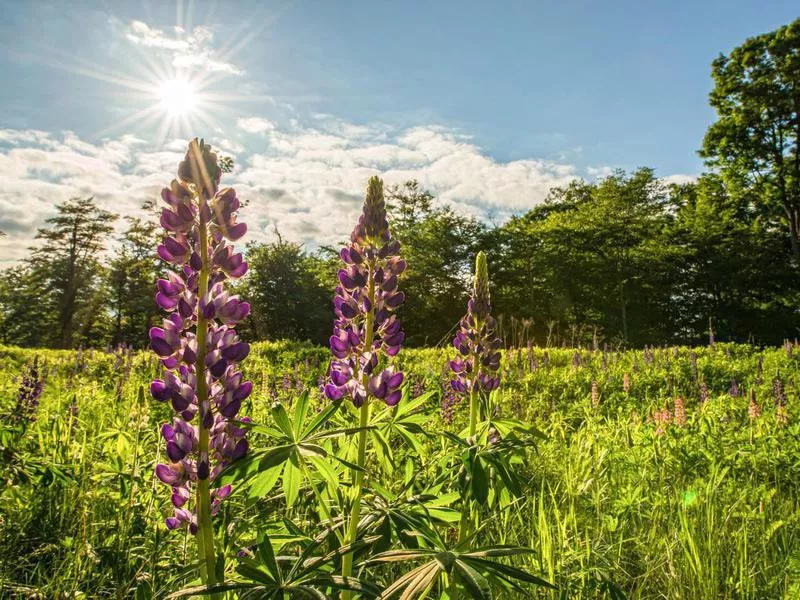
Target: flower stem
[473, 413]
[466, 508]
[358, 475]
[205, 531]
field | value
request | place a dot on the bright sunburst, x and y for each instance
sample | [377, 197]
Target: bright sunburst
[177, 97]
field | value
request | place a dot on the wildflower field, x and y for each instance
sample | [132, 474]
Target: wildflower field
[664, 473]
[207, 466]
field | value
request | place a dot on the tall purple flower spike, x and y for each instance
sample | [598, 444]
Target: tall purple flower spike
[366, 327]
[205, 435]
[477, 342]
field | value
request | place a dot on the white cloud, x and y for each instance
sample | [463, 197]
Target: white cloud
[255, 125]
[47, 169]
[307, 181]
[679, 178]
[187, 51]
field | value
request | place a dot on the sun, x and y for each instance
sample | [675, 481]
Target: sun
[177, 97]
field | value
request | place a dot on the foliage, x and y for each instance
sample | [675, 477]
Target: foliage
[703, 510]
[755, 142]
[288, 299]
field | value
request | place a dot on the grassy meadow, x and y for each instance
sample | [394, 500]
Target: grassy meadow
[664, 473]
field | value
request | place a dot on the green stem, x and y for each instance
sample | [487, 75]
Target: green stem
[357, 476]
[473, 412]
[467, 505]
[205, 531]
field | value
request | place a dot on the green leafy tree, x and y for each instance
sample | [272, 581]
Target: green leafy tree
[733, 273]
[26, 320]
[287, 297]
[132, 273]
[439, 245]
[755, 143]
[592, 256]
[68, 264]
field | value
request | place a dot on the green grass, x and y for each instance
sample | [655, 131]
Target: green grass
[707, 510]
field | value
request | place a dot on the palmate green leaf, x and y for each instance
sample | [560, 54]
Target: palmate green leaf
[401, 555]
[323, 417]
[306, 450]
[383, 451]
[244, 468]
[338, 582]
[424, 578]
[265, 429]
[406, 408]
[304, 592]
[507, 572]
[509, 478]
[325, 470]
[263, 483]
[292, 476]
[338, 433]
[410, 433]
[412, 578]
[266, 555]
[203, 590]
[251, 570]
[507, 426]
[501, 550]
[472, 580]
[300, 410]
[281, 419]
[479, 481]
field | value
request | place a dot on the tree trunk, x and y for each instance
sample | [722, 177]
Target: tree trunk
[623, 310]
[794, 232]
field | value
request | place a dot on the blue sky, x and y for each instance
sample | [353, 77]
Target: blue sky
[489, 104]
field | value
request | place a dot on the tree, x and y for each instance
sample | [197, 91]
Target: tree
[755, 143]
[287, 297]
[440, 247]
[592, 256]
[732, 273]
[68, 263]
[26, 318]
[132, 273]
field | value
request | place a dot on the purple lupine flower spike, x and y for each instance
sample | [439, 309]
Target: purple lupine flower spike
[30, 390]
[198, 220]
[366, 327]
[476, 368]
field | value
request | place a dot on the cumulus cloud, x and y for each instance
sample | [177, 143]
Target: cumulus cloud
[255, 125]
[188, 50]
[306, 181]
[679, 179]
[323, 169]
[41, 170]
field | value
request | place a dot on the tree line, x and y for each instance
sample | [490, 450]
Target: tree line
[627, 260]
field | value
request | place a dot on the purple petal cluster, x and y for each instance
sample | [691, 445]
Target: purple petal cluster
[30, 391]
[366, 327]
[476, 367]
[200, 221]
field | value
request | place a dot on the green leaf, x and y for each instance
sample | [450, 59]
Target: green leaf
[508, 572]
[408, 579]
[325, 470]
[267, 556]
[300, 410]
[282, 420]
[321, 418]
[292, 476]
[474, 582]
[406, 408]
[262, 484]
[203, 590]
[479, 483]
